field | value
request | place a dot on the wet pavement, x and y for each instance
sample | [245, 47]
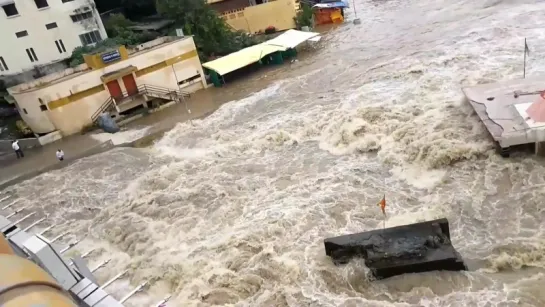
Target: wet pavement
[200, 105]
[43, 157]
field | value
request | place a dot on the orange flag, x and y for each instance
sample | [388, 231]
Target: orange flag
[382, 205]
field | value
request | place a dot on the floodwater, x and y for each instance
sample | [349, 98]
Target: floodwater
[233, 209]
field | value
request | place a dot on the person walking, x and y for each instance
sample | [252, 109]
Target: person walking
[17, 149]
[60, 155]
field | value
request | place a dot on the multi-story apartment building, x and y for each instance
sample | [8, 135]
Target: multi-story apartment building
[41, 32]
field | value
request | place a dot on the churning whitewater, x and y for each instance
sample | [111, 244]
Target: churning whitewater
[233, 209]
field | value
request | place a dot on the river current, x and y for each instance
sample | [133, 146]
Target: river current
[232, 209]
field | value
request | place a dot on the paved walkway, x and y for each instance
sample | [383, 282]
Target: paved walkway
[201, 104]
[43, 157]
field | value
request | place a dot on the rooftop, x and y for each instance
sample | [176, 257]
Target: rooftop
[151, 26]
[70, 73]
[502, 108]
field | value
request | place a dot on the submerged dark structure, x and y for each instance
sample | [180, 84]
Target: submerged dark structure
[413, 248]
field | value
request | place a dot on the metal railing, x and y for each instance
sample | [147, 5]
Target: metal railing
[154, 91]
[102, 108]
[77, 274]
[144, 89]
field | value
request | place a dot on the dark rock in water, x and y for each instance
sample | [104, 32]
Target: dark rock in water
[414, 248]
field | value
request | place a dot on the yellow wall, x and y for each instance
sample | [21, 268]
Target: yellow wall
[73, 100]
[279, 13]
[95, 60]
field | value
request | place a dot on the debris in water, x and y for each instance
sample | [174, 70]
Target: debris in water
[413, 248]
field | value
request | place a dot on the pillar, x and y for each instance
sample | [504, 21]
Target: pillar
[214, 77]
[540, 149]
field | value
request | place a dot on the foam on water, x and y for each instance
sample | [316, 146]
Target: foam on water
[233, 209]
[121, 137]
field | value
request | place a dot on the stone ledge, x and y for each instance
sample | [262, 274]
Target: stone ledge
[413, 248]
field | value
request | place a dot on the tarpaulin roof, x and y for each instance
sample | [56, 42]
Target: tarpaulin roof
[241, 58]
[247, 56]
[291, 38]
[331, 5]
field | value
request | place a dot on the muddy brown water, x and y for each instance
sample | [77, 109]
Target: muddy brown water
[231, 209]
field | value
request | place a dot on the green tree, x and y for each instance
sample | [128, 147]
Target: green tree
[116, 24]
[118, 28]
[304, 16]
[213, 37]
[77, 55]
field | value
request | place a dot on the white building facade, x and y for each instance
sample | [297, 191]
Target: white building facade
[41, 32]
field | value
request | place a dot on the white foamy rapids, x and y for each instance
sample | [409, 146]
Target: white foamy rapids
[121, 137]
[233, 209]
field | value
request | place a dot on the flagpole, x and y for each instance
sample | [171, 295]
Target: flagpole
[356, 21]
[524, 73]
[382, 205]
[384, 211]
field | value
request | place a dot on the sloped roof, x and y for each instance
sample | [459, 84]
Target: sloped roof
[241, 58]
[247, 56]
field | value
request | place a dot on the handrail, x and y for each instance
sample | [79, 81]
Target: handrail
[161, 90]
[155, 91]
[102, 108]
[143, 89]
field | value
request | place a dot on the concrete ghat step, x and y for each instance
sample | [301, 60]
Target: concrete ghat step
[413, 248]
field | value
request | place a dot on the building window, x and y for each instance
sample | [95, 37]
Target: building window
[31, 55]
[10, 9]
[50, 26]
[41, 3]
[21, 34]
[82, 16]
[90, 38]
[3, 65]
[43, 107]
[60, 46]
[24, 110]
[64, 1]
